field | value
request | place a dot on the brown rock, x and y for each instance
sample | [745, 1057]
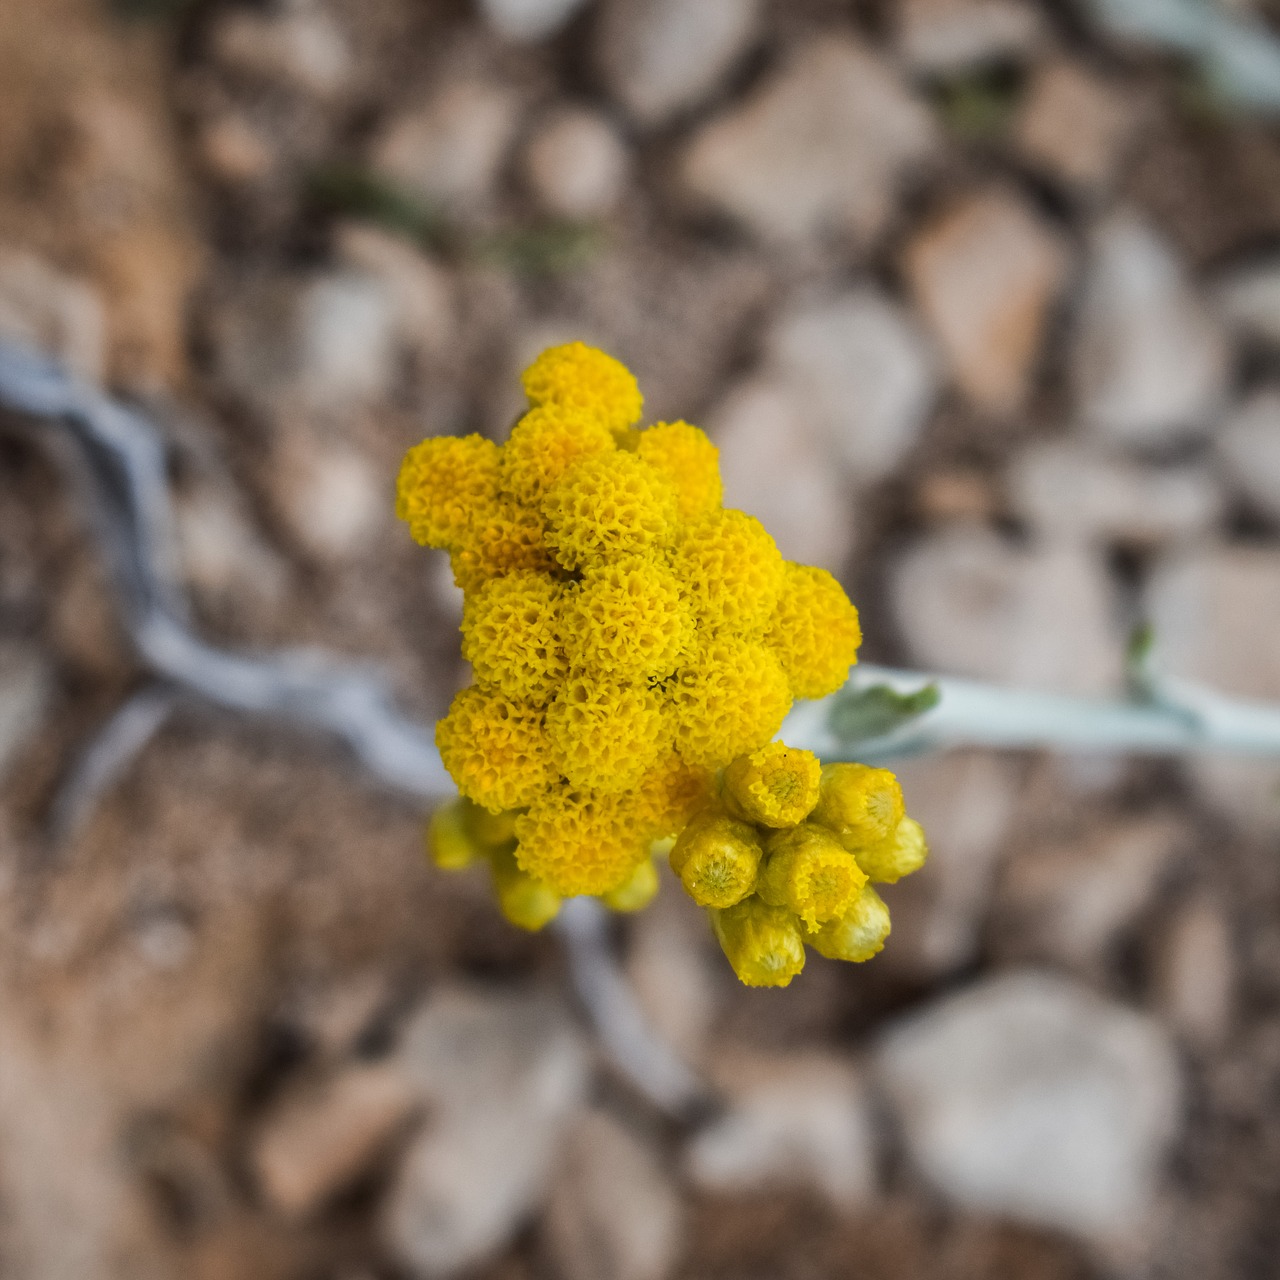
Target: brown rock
[985, 275]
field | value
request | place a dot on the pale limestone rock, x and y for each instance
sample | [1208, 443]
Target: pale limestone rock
[1074, 490]
[794, 1121]
[1250, 299]
[26, 688]
[321, 1136]
[576, 164]
[661, 57]
[776, 465]
[219, 552]
[863, 373]
[55, 313]
[502, 1075]
[1074, 125]
[1029, 1097]
[1248, 443]
[818, 150]
[614, 1210]
[947, 37]
[332, 496]
[1195, 971]
[526, 21]
[972, 604]
[301, 47]
[1150, 364]
[985, 275]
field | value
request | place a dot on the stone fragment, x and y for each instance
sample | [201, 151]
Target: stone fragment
[972, 604]
[502, 1076]
[661, 57]
[526, 21]
[1150, 364]
[948, 37]
[614, 1211]
[1195, 972]
[219, 552]
[448, 151]
[985, 275]
[1073, 902]
[234, 151]
[864, 376]
[331, 496]
[1248, 443]
[1074, 125]
[301, 47]
[52, 312]
[777, 466]
[798, 1121]
[1249, 296]
[320, 1137]
[1070, 490]
[26, 686]
[576, 164]
[1030, 1097]
[818, 150]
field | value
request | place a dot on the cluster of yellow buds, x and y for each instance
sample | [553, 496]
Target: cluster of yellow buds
[630, 638]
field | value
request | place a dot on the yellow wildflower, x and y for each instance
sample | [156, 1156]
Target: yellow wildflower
[776, 786]
[524, 900]
[762, 943]
[689, 461]
[717, 858]
[636, 892]
[859, 933]
[897, 855]
[511, 635]
[814, 631]
[503, 537]
[443, 483]
[579, 377]
[807, 871]
[451, 842]
[862, 805]
[732, 570]
[543, 445]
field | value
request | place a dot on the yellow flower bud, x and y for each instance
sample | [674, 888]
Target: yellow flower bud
[716, 858]
[902, 853]
[635, 893]
[776, 786]
[491, 830]
[859, 933]
[526, 901]
[450, 841]
[862, 805]
[808, 872]
[688, 459]
[762, 943]
[582, 378]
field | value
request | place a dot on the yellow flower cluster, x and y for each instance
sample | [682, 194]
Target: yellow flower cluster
[629, 637]
[788, 855]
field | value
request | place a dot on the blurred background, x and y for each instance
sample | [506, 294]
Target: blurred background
[980, 300]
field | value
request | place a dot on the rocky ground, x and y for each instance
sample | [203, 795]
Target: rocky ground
[980, 300]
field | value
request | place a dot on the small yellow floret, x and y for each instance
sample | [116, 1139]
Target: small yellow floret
[451, 844]
[443, 482]
[576, 376]
[669, 795]
[527, 902]
[808, 872]
[544, 444]
[606, 732]
[899, 855]
[689, 460]
[857, 935]
[732, 571]
[504, 537]
[627, 618]
[862, 805]
[814, 631]
[635, 893]
[496, 748]
[730, 697]
[511, 635]
[606, 507]
[717, 858]
[578, 841]
[762, 943]
[776, 786]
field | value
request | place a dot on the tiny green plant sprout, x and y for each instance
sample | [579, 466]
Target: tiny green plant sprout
[636, 646]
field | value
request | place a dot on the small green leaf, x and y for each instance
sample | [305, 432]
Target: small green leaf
[1137, 661]
[879, 710]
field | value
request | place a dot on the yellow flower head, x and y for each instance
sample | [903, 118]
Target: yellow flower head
[526, 901]
[717, 858]
[636, 892]
[897, 855]
[732, 570]
[443, 483]
[690, 463]
[762, 943]
[451, 842]
[859, 933]
[627, 618]
[808, 872]
[496, 748]
[814, 631]
[511, 635]
[669, 795]
[606, 732]
[544, 444]
[503, 537]
[608, 506]
[584, 379]
[776, 786]
[862, 805]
